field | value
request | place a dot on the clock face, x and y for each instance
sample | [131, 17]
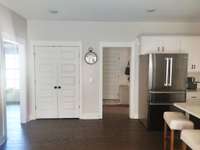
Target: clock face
[91, 58]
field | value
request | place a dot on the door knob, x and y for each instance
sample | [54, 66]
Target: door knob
[55, 87]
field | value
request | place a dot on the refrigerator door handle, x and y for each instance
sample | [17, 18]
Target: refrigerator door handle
[171, 71]
[166, 71]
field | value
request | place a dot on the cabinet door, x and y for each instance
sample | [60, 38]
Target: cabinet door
[68, 82]
[160, 44]
[46, 81]
[170, 44]
[191, 45]
[192, 97]
[150, 44]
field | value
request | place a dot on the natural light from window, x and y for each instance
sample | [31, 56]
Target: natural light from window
[12, 71]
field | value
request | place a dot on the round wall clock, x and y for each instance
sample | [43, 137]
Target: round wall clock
[91, 57]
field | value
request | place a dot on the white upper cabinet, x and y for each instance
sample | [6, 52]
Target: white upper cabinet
[150, 44]
[174, 44]
[160, 44]
[170, 44]
[191, 45]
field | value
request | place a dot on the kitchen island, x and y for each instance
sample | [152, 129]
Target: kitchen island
[190, 108]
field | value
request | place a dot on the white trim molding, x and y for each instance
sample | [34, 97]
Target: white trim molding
[56, 43]
[133, 109]
[23, 74]
[115, 44]
[32, 96]
[134, 81]
[2, 140]
[2, 99]
[23, 84]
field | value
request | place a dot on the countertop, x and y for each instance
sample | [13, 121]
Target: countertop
[197, 90]
[192, 108]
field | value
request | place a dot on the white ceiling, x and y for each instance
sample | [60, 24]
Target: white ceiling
[107, 10]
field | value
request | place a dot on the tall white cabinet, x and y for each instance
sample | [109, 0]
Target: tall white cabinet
[57, 81]
[174, 44]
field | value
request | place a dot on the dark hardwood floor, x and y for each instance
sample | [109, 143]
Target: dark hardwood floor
[114, 132]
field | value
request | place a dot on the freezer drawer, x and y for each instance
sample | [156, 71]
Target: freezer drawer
[165, 98]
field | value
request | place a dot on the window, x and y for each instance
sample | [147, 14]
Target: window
[12, 73]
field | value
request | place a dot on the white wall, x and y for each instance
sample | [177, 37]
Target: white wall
[12, 27]
[91, 33]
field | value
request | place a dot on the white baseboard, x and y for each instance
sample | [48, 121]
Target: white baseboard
[2, 140]
[134, 116]
[90, 116]
[31, 117]
[86, 116]
[24, 121]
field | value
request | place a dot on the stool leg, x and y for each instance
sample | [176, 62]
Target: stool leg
[184, 146]
[165, 136]
[172, 140]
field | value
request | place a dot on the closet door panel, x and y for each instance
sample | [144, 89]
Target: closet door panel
[46, 80]
[68, 79]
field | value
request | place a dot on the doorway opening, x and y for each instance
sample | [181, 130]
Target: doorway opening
[12, 87]
[116, 81]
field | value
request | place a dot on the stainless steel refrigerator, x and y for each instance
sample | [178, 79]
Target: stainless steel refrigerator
[162, 82]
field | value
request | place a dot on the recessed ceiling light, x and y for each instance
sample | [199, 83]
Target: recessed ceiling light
[151, 10]
[53, 11]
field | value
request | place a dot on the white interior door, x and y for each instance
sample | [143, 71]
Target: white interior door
[58, 67]
[46, 69]
[68, 82]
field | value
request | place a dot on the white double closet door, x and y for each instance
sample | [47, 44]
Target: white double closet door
[57, 81]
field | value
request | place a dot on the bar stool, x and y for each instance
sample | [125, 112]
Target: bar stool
[175, 121]
[190, 138]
